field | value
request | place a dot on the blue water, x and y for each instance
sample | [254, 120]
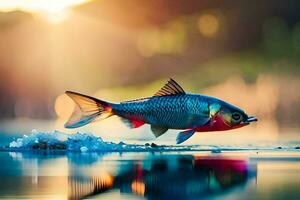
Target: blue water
[145, 175]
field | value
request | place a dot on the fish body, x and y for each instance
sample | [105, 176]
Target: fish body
[170, 108]
[174, 112]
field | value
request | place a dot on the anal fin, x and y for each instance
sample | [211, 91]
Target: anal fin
[132, 123]
[184, 135]
[158, 130]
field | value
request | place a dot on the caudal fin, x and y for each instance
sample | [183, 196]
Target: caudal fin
[88, 109]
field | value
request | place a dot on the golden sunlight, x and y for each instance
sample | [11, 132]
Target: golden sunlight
[54, 11]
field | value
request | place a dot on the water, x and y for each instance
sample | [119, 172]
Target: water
[146, 175]
[55, 165]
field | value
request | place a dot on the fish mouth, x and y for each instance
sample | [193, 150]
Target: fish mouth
[251, 119]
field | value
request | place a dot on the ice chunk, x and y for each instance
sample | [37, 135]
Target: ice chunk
[87, 142]
[80, 142]
[84, 149]
[57, 140]
[39, 139]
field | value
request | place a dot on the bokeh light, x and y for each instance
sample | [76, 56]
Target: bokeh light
[63, 106]
[208, 25]
[168, 40]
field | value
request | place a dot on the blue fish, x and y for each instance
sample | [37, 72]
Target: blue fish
[170, 108]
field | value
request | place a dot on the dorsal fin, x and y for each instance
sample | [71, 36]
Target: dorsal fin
[170, 88]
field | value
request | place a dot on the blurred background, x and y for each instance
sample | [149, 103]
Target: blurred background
[245, 52]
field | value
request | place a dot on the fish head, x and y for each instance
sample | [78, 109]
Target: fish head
[225, 116]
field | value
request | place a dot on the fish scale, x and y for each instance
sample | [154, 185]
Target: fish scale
[179, 111]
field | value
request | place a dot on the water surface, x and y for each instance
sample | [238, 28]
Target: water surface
[144, 175]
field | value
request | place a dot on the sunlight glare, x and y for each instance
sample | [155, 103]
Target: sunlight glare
[54, 11]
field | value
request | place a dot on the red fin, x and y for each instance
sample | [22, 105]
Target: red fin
[137, 124]
[131, 123]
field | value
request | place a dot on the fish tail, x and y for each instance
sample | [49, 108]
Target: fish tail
[88, 109]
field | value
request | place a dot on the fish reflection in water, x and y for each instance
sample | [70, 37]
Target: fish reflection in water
[167, 177]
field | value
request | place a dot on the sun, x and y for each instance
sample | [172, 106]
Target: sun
[55, 16]
[54, 11]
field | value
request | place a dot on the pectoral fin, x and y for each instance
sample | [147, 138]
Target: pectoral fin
[158, 130]
[184, 135]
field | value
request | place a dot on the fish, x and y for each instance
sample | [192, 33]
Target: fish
[169, 108]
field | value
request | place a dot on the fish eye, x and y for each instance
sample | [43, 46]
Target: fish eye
[236, 116]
